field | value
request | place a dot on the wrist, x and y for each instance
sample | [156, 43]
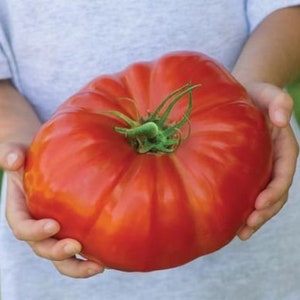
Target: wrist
[271, 53]
[249, 77]
[18, 120]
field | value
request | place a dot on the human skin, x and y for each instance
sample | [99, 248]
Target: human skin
[269, 60]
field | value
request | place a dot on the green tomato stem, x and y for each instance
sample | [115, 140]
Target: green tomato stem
[156, 134]
[149, 130]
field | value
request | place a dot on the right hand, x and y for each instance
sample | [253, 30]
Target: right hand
[278, 106]
[38, 233]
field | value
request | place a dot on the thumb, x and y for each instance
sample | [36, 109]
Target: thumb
[12, 156]
[275, 101]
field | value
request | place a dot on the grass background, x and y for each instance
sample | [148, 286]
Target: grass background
[293, 89]
[0, 180]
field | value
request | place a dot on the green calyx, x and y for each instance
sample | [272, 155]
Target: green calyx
[155, 134]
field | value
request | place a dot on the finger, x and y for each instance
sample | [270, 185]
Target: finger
[280, 110]
[77, 268]
[258, 218]
[12, 156]
[22, 224]
[54, 249]
[273, 193]
[273, 100]
[284, 168]
[245, 233]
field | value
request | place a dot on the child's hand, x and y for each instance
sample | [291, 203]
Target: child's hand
[278, 105]
[38, 233]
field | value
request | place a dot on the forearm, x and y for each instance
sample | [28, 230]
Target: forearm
[18, 121]
[272, 54]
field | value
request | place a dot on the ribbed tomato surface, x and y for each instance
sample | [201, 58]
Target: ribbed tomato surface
[147, 211]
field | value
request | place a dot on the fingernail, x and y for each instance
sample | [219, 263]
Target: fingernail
[246, 234]
[11, 159]
[280, 116]
[94, 271]
[259, 221]
[250, 233]
[70, 249]
[50, 227]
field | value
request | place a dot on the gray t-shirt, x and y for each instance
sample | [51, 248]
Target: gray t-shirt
[50, 49]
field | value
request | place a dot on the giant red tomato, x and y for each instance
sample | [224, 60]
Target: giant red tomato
[152, 167]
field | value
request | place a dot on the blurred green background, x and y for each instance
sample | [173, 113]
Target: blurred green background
[293, 89]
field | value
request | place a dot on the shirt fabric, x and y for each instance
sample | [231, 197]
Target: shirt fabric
[50, 49]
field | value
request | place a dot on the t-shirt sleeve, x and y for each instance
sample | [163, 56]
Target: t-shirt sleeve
[257, 10]
[4, 66]
[5, 71]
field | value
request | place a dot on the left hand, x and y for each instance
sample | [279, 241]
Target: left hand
[39, 234]
[278, 106]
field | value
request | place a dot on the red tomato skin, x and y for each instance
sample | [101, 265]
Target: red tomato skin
[144, 212]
